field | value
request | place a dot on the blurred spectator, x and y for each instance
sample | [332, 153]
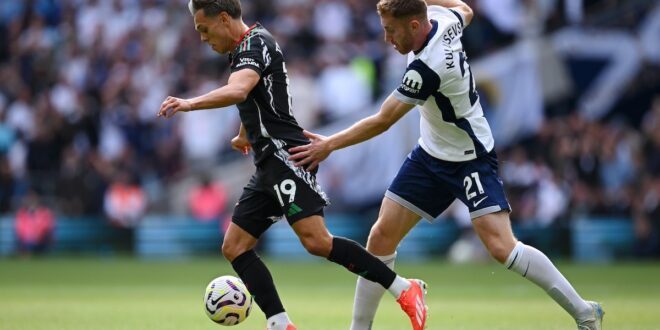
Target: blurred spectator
[521, 180]
[647, 221]
[208, 200]
[35, 223]
[125, 201]
[305, 93]
[651, 143]
[345, 91]
[79, 185]
[7, 184]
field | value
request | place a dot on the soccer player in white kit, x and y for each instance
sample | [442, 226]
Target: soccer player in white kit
[455, 157]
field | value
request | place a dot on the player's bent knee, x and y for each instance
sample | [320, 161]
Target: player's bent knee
[232, 251]
[318, 246]
[499, 251]
[377, 234]
[381, 240]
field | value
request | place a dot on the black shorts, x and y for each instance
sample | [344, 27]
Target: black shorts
[278, 189]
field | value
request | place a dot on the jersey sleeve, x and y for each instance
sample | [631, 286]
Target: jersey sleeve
[252, 54]
[418, 84]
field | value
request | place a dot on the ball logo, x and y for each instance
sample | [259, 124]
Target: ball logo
[412, 82]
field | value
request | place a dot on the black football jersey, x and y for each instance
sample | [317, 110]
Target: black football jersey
[267, 112]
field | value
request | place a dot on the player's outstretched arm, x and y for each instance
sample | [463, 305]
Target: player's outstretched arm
[456, 5]
[238, 87]
[312, 154]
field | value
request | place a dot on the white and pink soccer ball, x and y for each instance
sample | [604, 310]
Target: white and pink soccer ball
[227, 300]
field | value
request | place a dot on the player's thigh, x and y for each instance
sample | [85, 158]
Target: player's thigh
[293, 190]
[393, 224]
[494, 230]
[416, 186]
[477, 184]
[256, 210]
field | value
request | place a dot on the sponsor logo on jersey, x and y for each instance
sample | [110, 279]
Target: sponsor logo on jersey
[412, 82]
[247, 61]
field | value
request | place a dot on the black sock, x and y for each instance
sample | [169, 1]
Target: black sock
[359, 261]
[259, 282]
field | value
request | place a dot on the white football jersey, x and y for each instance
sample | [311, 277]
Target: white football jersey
[439, 80]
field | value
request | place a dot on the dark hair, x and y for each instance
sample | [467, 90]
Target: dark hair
[402, 8]
[215, 7]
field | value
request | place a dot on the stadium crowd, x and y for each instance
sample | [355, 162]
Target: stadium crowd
[81, 81]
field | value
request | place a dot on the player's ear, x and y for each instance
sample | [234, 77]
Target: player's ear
[224, 18]
[414, 25]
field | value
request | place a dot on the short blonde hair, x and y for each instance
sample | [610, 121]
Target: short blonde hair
[402, 8]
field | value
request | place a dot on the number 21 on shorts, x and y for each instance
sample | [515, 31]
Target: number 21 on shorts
[467, 183]
[288, 188]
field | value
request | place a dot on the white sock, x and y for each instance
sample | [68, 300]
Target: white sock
[367, 298]
[278, 321]
[536, 267]
[398, 286]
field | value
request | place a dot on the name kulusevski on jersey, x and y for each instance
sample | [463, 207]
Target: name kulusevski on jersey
[438, 79]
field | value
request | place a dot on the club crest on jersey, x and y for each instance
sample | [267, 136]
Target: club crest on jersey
[412, 82]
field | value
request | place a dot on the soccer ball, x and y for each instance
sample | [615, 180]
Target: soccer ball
[227, 300]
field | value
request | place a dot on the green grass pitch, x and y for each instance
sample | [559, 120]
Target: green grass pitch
[119, 293]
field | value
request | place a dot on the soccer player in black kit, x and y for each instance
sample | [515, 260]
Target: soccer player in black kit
[258, 85]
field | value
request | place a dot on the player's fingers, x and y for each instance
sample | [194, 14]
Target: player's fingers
[303, 162]
[161, 110]
[246, 150]
[310, 135]
[171, 112]
[312, 166]
[165, 106]
[298, 149]
[298, 155]
[168, 100]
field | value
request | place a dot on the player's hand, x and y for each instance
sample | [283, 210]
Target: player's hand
[172, 105]
[241, 143]
[310, 155]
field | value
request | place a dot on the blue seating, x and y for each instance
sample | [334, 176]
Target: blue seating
[548, 239]
[84, 235]
[172, 237]
[71, 235]
[602, 239]
[592, 239]
[7, 236]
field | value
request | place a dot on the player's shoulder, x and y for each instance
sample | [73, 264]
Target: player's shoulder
[444, 44]
[443, 14]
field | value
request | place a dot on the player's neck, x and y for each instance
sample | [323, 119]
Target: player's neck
[424, 31]
[238, 28]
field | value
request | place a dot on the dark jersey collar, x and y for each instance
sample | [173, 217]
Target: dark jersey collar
[434, 29]
[246, 33]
